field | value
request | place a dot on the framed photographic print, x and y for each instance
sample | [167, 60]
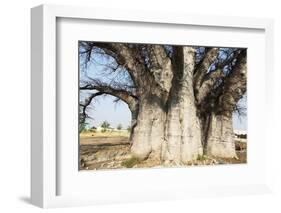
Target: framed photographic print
[130, 106]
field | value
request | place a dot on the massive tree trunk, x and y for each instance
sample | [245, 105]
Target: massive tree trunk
[148, 133]
[182, 135]
[169, 127]
[220, 137]
[183, 132]
[170, 130]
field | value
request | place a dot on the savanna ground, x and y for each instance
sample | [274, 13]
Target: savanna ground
[111, 150]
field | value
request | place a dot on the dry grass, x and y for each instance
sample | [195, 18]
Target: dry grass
[88, 134]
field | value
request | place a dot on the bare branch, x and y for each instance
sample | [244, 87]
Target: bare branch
[235, 84]
[125, 55]
[241, 111]
[128, 97]
[83, 114]
[229, 59]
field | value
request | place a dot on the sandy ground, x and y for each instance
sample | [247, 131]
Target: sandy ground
[113, 152]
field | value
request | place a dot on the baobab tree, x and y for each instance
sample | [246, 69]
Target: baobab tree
[181, 97]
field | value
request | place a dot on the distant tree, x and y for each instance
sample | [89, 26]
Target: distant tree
[105, 125]
[93, 129]
[129, 128]
[119, 126]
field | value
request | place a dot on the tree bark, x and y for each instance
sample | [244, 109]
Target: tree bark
[148, 134]
[170, 130]
[182, 135]
[220, 137]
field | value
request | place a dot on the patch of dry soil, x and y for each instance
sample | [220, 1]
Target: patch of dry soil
[113, 152]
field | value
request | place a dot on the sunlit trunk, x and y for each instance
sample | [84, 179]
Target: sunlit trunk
[183, 131]
[170, 129]
[220, 137]
[148, 134]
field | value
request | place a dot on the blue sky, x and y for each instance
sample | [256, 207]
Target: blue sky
[103, 108]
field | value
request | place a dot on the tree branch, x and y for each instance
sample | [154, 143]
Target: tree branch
[83, 115]
[160, 66]
[203, 67]
[235, 84]
[128, 97]
[125, 55]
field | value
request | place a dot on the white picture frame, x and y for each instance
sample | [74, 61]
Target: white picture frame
[44, 149]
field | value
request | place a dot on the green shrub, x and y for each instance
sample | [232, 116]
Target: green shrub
[201, 157]
[130, 162]
[119, 126]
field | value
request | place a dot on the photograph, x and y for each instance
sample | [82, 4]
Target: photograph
[161, 105]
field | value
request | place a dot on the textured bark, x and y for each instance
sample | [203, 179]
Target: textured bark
[148, 133]
[220, 137]
[203, 67]
[218, 130]
[161, 67]
[208, 85]
[182, 135]
[173, 128]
